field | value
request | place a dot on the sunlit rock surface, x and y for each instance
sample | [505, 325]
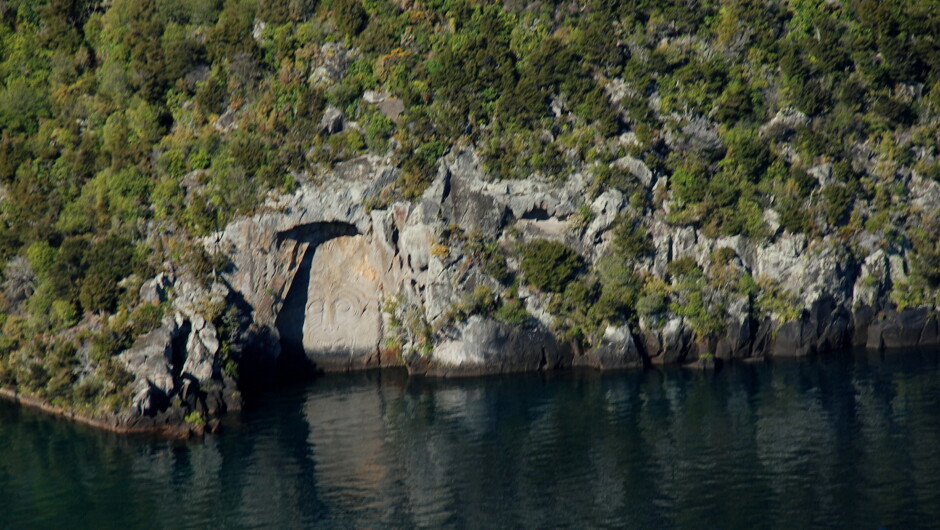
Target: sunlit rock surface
[334, 277]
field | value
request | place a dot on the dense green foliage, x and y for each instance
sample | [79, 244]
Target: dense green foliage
[128, 127]
[549, 265]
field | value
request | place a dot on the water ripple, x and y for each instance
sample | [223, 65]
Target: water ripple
[844, 442]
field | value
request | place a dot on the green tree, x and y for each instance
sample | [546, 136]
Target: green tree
[549, 265]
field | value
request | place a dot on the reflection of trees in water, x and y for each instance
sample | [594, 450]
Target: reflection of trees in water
[258, 475]
[840, 443]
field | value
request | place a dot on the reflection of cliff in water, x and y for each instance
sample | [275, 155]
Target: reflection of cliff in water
[840, 443]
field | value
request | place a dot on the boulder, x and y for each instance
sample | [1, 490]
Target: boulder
[616, 350]
[904, 329]
[391, 108]
[202, 347]
[151, 361]
[155, 290]
[332, 121]
[486, 346]
[676, 342]
[636, 168]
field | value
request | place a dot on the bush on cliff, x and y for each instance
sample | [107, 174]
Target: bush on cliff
[631, 240]
[549, 265]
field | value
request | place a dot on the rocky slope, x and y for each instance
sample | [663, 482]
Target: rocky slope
[320, 281]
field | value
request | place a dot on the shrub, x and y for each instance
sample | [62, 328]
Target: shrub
[41, 256]
[549, 265]
[98, 293]
[652, 303]
[838, 202]
[703, 320]
[620, 287]
[87, 391]
[64, 313]
[69, 267]
[487, 253]
[350, 16]
[513, 312]
[481, 301]
[723, 256]
[654, 298]
[116, 374]
[747, 286]
[195, 419]
[793, 217]
[905, 294]
[683, 267]
[104, 345]
[748, 156]
[926, 260]
[577, 316]
[631, 240]
[775, 300]
[146, 317]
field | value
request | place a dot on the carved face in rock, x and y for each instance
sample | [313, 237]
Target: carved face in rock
[342, 314]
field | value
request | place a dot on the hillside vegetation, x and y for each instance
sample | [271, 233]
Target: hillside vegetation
[128, 128]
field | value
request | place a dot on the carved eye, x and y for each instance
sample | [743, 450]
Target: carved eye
[315, 307]
[343, 306]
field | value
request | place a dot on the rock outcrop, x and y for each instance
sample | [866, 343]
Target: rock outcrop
[326, 281]
[180, 361]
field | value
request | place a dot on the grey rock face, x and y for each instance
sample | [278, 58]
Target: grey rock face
[155, 290]
[332, 121]
[925, 194]
[323, 280]
[486, 346]
[904, 329]
[150, 359]
[329, 65]
[391, 108]
[738, 338]
[637, 168]
[226, 122]
[822, 173]
[696, 134]
[868, 289]
[616, 350]
[201, 349]
[676, 340]
[179, 360]
[788, 119]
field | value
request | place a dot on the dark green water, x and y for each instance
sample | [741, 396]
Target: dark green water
[848, 441]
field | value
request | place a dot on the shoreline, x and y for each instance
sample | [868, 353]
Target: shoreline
[60, 412]
[185, 431]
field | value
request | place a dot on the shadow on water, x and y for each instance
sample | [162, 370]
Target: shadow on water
[845, 441]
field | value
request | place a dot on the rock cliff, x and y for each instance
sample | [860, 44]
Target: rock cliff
[323, 282]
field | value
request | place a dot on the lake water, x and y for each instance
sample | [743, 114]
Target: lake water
[846, 441]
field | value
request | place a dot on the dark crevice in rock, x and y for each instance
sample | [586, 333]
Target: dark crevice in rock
[446, 191]
[290, 320]
[537, 214]
[317, 233]
[293, 362]
[178, 349]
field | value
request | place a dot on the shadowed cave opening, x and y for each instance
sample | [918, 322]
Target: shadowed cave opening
[293, 362]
